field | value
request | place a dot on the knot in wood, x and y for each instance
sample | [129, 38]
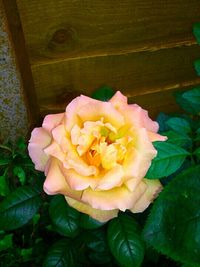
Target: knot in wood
[61, 36]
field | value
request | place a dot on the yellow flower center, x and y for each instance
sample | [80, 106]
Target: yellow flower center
[100, 144]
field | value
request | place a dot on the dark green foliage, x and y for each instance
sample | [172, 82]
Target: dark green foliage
[173, 227]
[197, 153]
[20, 173]
[61, 254]
[104, 93]
[4, 189]
[19, 207]
[179, 125]
[169, 159]
[97, 245]
[161, 119]
[86, 222]
[197, 66]
[125, 242]
[193, 97]
[196, 31]
[64, 218]
[6, 242]
[190, 100]
[178, 138]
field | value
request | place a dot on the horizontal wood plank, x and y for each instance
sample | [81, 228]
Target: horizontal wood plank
[134, 74]
[67, 29]
[155, 103]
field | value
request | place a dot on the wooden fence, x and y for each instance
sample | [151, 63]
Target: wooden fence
[70, 47]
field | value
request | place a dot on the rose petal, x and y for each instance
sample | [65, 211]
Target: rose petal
[118, 99]
[139, 155]
[149, 124]
[94, 111]
[132, 183]
[116, 198]
[112, 178]
[138, 117]
[77, 181]
[55, 182]
[59, 133]
[153, 188]
[145, 121]
[38, 141]
[51, 121]
[55, 151]
[108, 155]
[156, 137]
[73, 161]
[72, 109]
[75, 134]
[99, 215]
[76, 163]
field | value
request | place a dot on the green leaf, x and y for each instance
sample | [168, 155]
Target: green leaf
[19, 207]
[190, 265]
[87, 222]
[197, 66]
[177, 138]
[161, 119]
[179, 125]
[198, 131]
[4, 162]
[193, 98]
[64, 218]
[197, 138]
[21, 144]
[61, 254]
[6, 242]
[196, 31]
[104, 93]
[184, 103]
[168, 160]
[26, 254]
[197, 152]
[97, 243]
[173, 227]
[100, 258]
[20, 173]
[125, 241]
[36, 218]
[4, 189]
[186, 165]
[151, 255]
[6, 148]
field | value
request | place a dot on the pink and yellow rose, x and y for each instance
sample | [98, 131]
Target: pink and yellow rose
[97, 154]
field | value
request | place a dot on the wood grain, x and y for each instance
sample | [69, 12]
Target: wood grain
[134, 74]
[67, 29]
[153, 102]
[143, 48]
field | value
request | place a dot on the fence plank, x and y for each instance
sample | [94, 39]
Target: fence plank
[135, 74]
[65, 28]
[155, 103]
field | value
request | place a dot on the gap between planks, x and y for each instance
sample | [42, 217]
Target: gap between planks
[46, 61]
[166, 89]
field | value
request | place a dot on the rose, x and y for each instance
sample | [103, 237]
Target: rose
[97, 154]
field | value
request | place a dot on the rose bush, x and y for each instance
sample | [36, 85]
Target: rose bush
[97, 154]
